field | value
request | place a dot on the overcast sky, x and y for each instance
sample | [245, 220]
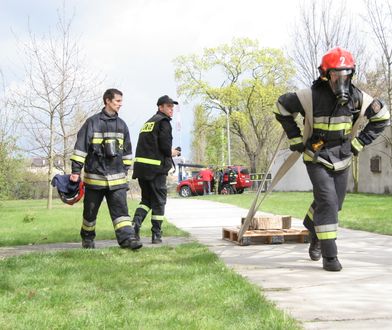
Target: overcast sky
[134, 42]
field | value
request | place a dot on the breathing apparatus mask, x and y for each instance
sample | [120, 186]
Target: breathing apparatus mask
[340, 81]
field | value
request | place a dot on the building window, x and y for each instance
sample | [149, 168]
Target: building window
[375, 164]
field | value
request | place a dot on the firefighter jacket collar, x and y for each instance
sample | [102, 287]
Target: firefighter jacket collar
[163, 114]
[105, 116]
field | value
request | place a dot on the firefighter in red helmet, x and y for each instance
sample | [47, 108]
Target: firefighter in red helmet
[335, 105]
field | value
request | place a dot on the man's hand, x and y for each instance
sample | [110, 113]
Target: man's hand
[176, 151]
[74, 177]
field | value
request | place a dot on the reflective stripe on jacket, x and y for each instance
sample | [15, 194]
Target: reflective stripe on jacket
[101, 170]
[153, 151]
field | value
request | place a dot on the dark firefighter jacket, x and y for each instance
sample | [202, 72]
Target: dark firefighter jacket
[154, 148]
[100, 169]
[332, 124]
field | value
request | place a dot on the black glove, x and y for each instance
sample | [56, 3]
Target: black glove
[298, 147]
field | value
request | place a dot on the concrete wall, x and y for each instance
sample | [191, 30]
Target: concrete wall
[296, 178]
[371, 182]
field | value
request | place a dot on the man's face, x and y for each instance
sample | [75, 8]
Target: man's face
[167, 109]
[115, 104]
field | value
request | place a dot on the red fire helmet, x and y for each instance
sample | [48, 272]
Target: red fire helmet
[336, 59]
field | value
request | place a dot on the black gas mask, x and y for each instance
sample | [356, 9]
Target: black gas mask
[340, 81]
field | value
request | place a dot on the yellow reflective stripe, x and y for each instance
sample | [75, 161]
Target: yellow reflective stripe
[123, 224]
[333, 127]
[144, 207]
[327, 235]
[296, 140]
[384, 117]
[88, 228]
[356, 144]
[158, 217]
[127, 161]
[148, 127]
[310, 214]
[147, 161]
[78, 158]
[104, 183]
[96, 141]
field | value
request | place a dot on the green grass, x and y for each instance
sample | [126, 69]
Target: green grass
[183, 287]
[367, 212]
[29, 222]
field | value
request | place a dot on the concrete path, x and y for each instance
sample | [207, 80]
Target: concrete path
[358, 297]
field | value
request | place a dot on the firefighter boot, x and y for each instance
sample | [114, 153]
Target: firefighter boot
[329, 252]
[138, 218]
[156, 232]
[132, 242]
[314, 248]
[88, 244]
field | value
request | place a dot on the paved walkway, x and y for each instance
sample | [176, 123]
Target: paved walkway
[358, 297]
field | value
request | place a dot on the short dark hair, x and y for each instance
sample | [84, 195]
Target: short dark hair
[109, 94]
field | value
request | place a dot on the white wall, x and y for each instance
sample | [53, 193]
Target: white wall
[296, 179]
[370, 182]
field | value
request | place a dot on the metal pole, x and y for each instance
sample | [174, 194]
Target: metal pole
[228, 137]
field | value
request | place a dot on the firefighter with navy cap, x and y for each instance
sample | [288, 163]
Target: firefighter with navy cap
[103, 148]
[153, 160]
[335, 105]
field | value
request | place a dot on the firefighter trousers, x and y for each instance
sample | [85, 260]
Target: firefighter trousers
[118, 209]
[154, 195]
[329, 191]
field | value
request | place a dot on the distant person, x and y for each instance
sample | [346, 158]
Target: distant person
[206, 177]
[336, 105]
[153, 160]
[103, 148]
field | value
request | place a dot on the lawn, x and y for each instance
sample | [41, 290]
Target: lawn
[367, 212]
[183, 287]
[29, 222]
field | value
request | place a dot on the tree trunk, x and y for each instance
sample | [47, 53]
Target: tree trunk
[50, 161]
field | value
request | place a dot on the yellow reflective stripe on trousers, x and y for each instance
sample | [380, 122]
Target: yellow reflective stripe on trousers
[88, 228]
[96, 141]
[327, 235]
[147, 161]
[123, 224]
[310, 213]
[127, 161]
[144, 207]
[77, 158]
[104, 183]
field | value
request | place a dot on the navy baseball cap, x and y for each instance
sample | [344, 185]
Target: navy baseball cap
[165, 100]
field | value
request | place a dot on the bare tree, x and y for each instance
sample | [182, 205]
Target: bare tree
[322, 25]
[379, 18]
[57, 94]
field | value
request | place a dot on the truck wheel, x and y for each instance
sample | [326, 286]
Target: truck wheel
[185, 191]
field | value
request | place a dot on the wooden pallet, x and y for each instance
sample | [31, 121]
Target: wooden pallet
[266, 236]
